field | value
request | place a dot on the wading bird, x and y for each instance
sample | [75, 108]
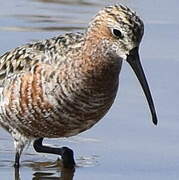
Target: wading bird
[62, 86]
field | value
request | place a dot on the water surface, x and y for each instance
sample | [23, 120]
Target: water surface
[124, 145]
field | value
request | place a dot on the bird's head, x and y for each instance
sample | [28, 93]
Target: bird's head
[120, 30]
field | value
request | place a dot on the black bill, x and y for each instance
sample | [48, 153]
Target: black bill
[134, 60]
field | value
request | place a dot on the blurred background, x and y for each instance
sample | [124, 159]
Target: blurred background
[125, 144]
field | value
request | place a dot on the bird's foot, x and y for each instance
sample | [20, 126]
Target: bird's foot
[67, 158]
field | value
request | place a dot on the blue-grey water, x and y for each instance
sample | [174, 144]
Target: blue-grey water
[125, 145]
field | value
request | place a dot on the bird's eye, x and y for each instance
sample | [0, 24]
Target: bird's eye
[117, 33]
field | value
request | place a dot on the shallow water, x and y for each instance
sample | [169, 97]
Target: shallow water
[125, 144]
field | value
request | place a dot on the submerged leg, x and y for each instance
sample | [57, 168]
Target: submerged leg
[64, 152]
[16, 174]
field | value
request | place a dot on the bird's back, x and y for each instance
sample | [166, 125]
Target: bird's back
[49, 51]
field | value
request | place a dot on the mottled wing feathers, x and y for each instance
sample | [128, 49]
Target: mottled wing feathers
[25, 57]
[19, 59]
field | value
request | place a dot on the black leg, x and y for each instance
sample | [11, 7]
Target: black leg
[17, 158]
[64, 152]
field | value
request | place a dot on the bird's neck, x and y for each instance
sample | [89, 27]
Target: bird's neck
[98, 64]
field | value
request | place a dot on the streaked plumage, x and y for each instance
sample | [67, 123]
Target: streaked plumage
[62, 86]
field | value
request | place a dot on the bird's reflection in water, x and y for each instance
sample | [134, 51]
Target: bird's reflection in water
[48, 171]
[66, 174]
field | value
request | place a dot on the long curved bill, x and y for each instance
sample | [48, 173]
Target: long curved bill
[134, 60]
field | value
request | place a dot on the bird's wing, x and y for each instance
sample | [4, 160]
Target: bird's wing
[23, 59]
